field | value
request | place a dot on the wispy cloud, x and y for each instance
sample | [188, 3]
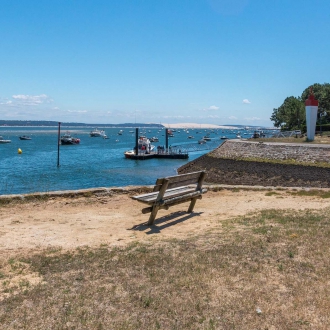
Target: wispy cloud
[252, 118]
[232, 117]
[211, 108]
[176, 117]
[77, 111]
[31, 100]
[246, 101]
[213, 116]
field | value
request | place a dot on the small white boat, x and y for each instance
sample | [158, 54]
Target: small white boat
[97, 133]
[2, 140]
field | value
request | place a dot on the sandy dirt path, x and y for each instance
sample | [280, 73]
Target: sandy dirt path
[117, 220]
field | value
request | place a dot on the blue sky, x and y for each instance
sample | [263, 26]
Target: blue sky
[171, 61]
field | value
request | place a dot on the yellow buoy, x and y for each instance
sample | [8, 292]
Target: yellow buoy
[19, 150]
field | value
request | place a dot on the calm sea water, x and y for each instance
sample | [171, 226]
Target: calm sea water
[95, 162]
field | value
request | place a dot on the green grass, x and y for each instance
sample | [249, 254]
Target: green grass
[278, 261]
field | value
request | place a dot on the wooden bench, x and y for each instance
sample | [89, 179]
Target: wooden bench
[173, 190]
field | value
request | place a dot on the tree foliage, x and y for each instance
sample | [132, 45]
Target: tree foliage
[322, 94]
[291, 114]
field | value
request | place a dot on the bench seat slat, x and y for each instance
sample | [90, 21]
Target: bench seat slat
[150, 198]
[193, 176]
[152, 193]
[185, 197]
[179, 180]
[182, 183]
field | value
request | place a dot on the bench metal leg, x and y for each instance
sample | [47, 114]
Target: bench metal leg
[192, 205]
[153, 215]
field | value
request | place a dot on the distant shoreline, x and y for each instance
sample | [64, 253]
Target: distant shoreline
[44, 123]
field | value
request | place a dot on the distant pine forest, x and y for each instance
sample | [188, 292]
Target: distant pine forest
[55, 123]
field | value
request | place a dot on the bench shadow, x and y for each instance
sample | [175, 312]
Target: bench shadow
[163, 222]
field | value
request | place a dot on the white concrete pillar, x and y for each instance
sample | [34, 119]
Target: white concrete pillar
[311, 106]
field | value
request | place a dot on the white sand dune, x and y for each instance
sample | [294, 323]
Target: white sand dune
[195, 125]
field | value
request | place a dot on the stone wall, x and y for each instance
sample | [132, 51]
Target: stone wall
[226, 165]
[240, 149]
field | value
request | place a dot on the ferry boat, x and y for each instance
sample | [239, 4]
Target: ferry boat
[97, 133]
[144, 146]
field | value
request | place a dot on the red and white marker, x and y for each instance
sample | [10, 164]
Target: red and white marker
[311, 106]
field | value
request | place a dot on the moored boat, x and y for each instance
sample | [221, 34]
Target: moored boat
[68, 139]
[24, 137]
[144, 147]
[97, 133]
[2, 140]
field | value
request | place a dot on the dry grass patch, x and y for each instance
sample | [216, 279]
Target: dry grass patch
[317, 140]
[268, 270]
[312, 193]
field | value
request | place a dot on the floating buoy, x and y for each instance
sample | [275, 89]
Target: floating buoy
[19, 151]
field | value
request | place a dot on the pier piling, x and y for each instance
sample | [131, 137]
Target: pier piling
[136, 141]
[58, 144]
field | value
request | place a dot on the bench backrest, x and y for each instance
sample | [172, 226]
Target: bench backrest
[181, 180]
